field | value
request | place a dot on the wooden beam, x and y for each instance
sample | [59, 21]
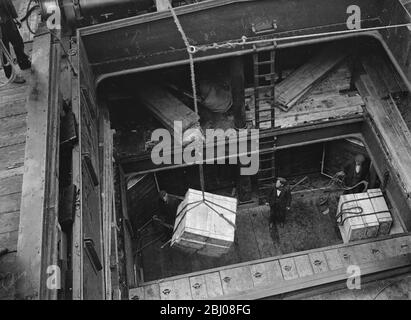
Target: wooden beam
[238, 90]
[31, 249]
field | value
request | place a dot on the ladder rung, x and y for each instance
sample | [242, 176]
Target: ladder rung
[265, 160]
[265, 170]
[264, 75]
[263, 87]
[266, 179]
[264, 62]
[265, 99]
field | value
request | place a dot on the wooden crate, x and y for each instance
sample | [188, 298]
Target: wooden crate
[384, 216]
[353, 228]
[370, 222]
[378, 220]
[200, 229]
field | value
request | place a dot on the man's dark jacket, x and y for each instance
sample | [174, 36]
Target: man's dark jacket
[7, 11]
[352, 177]
[278, 204]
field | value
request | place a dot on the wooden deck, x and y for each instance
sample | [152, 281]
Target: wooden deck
[13, 127]
[280, 275]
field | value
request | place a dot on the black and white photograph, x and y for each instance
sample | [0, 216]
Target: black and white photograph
[205, 154]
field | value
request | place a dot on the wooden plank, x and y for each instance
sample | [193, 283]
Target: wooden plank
[13, 130]
[333, 259]
[182, 289]
[13, 108]
[214, 285]
[303, 78]
[266, 272]
[236, 279]
[198, 288]
[9, 222]
[319, 279]
[318, 262]
[347, 256]
[152, 292]
[166, 107]
[365, 253]
[9, 240]
[10, 203]
[11, 185]
[136, 293]
[303, 266]
[288, 269]
[12, 157]
[167, 290]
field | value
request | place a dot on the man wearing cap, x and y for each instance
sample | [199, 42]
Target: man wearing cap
[355, 171]
[279, 201]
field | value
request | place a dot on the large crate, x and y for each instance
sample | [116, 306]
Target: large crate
[200, 229]
[383, 213]
[374, 220]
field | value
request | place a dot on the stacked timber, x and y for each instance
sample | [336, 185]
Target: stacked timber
[171, 112]
[364, 215]
[327, 100]
[302, 80]
[206, 228]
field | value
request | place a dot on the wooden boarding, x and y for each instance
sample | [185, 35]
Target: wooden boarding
[214, 285]
[288, 273]
[198, 288]
[294, 87]
[323, 103]
[393, 130]
[236, 280]
[303, 265]
[318, 262]
[266, 272]
[13, 129]
[166, 107]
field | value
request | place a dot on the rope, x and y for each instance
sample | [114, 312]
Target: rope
[191, 51]
[9, 61]
[190, 54]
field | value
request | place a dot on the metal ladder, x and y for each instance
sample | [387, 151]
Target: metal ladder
[264, 81]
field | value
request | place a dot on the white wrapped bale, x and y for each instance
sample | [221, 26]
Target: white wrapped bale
[200, 229]
[373, 220]
[383, 213]
[353, 228]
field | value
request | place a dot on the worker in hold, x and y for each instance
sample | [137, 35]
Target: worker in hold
[168, 209]
[279, 201]
[355, 172]
[10, 34]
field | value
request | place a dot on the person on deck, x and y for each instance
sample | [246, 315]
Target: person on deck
[10, 34]
[168, 205]
[279, 201]
[355, 171]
